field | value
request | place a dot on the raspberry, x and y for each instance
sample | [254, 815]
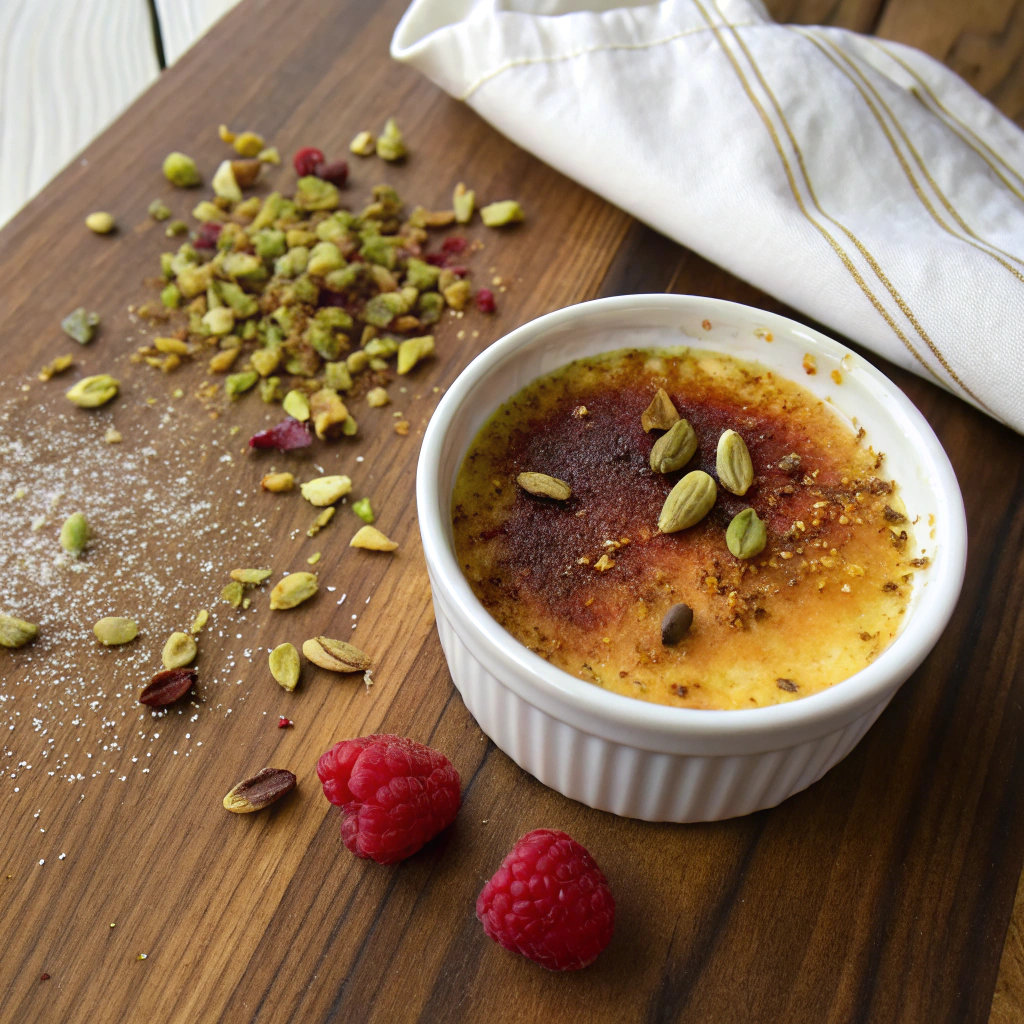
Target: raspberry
[485, 300]
[550, 902]
[395, 794]
[306, 161]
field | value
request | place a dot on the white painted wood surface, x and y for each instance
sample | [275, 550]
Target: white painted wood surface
[182, 22]
[69, 67]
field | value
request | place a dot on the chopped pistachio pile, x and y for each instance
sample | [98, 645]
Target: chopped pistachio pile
[302, 300]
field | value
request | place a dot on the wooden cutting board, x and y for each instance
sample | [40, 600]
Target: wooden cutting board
[883, 893]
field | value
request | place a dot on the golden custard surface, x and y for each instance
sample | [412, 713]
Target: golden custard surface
[585, 582]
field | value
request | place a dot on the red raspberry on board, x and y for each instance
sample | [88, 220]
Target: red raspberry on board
[395, 794]
[306, 160]
[550, 902]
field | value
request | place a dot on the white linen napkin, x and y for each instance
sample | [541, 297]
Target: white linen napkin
[857, 180]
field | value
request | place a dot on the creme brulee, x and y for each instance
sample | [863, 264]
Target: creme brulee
[585, 580]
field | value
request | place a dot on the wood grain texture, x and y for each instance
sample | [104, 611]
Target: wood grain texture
[881, 894]
[66, 71]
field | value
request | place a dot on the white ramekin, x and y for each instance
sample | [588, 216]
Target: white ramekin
[646, 760]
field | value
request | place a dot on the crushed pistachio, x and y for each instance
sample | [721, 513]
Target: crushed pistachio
[313, 558]
[199, 622]
[325, 490]
[377, 397]
[179, 650]
[269, 155]
[296, 404]
[15, 632]
[253, 577]
[278, 482]
[363, 144]
[496, 215]
[232, 594]
[463, 200]
[371, 539]
[412, 350]
[74, 534]
[159, 210]
[222, 361]
[175, 228]
[329, 413]
[363, 509]
[113, 436]
[81, 325]
[238, 383]
[114, 631]
[55, 366]
[285, 666]
[321, 521]
[181, 170]
[249, 144]
[293, 590]
[391, 145]
[100, 223]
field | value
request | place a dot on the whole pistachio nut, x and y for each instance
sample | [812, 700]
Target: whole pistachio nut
[181, 170]
[746, 535]
[674, 448]
[113, 630]
[81, 325]
[285, 666]
[325, 490]
[661, 414]
[92, 392]
[293, 590]
[179, 651]
[260, 791]
[335, 655]
[734, 466]
[74, 534]
[15, 632]
[544, 486]
[100, 223]
[371, 539]
[688, 502]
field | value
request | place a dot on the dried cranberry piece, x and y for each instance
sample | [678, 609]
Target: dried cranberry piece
[334, 171]
[207, 235]
[436, 259]
[286, 436]
[306, 161]
[459, 271]
[284, 723]
[485, 300]
[454, 244]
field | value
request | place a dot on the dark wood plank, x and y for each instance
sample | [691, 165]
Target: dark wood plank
[881, 894]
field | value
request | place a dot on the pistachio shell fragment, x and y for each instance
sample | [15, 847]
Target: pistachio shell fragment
[293, 590]
[661, 414]
[733, 464]
[544, 486]
[260, 791]
[254, 577]
[335, 655]
[285, 666]
[325, 490]
[746, 535]
[92, 392]
[113, 631]
[674, 448]
[179, 651]
[15, 632]
[370, 538]
[688, 502]
[74, 534]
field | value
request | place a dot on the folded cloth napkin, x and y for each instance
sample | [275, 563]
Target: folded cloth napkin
[855, 179]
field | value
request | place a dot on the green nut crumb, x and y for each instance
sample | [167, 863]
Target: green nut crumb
[113, 631]
[321, 521]
[296, 404]
[170, 296]
[412, 350]
[349, 427]
[176, 228]
[463, 202]
[159, 210]
[253, 577]
[92, 392]
[496, 215]
[100, 223]
[236, 384]
[74, 534]
[81, 325]
[285, 666]
[363, 144]
[199, 622]
[363, 510]
[16, 632]
[391, 145]
[181, 170]
[293, 590]
[233, 594]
